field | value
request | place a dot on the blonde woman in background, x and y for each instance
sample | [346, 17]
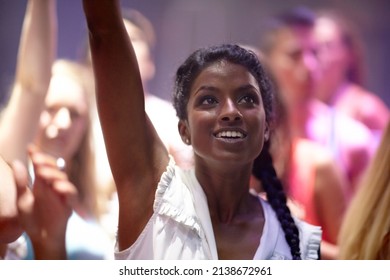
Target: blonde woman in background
[19, 119]
[365, 233]
[50, 107]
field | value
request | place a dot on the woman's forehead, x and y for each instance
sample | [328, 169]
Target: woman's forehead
[224, 71]
[224, 76]
[67, 91]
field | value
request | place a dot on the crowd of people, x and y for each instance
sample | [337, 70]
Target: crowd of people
[267, 151]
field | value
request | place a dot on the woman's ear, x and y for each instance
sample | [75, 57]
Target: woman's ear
[184, 132]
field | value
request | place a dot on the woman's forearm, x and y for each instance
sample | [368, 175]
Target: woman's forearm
[37, 49]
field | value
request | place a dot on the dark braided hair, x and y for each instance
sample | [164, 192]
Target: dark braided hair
[264, 170]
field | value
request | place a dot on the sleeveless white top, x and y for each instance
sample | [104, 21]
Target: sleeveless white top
[180, 227]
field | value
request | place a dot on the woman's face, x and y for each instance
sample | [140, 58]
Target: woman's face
[226, 118]
[63, 122]
[332, 52]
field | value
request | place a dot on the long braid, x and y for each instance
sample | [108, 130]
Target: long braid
[263, 169]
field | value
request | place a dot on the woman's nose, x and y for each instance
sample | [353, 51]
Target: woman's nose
[62, 118]
[230, 111]
[310, 61]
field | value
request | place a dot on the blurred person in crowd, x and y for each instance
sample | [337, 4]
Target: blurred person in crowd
[50, 106]
[311, 177]
[290, 48]
[19, 120]
[341, 59]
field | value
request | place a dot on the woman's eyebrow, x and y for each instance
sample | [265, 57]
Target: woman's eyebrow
[206, 88]
[248, 87]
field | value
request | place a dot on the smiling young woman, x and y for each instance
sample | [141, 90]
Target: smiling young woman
[223, 100]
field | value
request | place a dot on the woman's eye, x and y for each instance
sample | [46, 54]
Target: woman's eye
[51, 111]
[208, 101]
[74, 114]
[247, 99]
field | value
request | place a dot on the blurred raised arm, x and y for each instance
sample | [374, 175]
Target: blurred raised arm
[37, 49]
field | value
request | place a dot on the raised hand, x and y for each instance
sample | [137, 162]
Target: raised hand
[45, 208]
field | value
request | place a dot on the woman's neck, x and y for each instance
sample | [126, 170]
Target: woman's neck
[226, 192]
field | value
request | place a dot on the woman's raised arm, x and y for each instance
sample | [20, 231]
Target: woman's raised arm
[136, 154]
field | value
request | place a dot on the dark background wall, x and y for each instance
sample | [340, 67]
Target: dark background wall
[184, 25]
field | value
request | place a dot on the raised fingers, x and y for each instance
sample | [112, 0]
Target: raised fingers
[46, 167]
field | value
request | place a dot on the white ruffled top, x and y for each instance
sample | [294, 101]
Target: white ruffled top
[180, 227]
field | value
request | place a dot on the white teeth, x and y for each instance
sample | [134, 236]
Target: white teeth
[230, 134]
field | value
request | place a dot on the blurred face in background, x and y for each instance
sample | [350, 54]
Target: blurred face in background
[142, 51]
[63, 122]
[294, 64]
[333, 54]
